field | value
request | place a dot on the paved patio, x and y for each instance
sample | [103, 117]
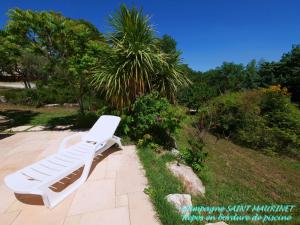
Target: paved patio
[113, 193]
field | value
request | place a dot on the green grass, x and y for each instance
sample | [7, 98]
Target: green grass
[238, 175]
[233, 175]
[161, 183]
[25, 115]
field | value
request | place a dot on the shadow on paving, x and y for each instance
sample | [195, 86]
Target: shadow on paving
[2, 136]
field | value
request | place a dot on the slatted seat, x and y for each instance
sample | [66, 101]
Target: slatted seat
[38, 177]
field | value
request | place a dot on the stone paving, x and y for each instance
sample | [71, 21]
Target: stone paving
[19, 128]
[24, 128]
[113, 194]
[20, 85]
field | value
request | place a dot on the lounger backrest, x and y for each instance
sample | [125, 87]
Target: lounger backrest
[103, 129]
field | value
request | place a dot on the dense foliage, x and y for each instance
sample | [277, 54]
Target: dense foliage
[153, 119]
[49, 47]
[72, 56]
[198, 93]
[195, 155]
[263, 119]
[231, 77]
[285, 72]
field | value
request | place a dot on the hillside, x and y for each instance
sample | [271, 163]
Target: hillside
[238, 175]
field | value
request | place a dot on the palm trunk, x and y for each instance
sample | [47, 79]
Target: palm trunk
[81, 108]
[26, 81]
[80, 100]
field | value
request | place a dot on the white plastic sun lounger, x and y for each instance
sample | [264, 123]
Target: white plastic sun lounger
[37, 178]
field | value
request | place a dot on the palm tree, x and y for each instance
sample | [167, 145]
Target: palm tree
[134, 64]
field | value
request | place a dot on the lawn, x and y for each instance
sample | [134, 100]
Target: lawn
[26, 115]
[233, 175]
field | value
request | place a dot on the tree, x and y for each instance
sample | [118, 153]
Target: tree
[226, 78]
[251, 79]
[134, 64]
[285, 72]
[63, 41]
[169, 46]
[267, 74]
[289, 72]
[174, 75]
[17, 61]
[8, 54]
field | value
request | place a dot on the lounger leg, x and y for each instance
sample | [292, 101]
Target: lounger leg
[118, 142]
[51, 198]
[46, 200]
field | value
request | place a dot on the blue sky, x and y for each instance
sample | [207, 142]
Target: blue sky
[208, 32]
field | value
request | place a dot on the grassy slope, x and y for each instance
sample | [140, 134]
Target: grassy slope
[237, 175]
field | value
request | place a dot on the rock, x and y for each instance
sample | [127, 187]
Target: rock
[180, 201]
[192, 111]
[174, 143]
[189, 179]
[71, 105]
[5, 122]
[218, 223]
[62, 127]
[175, 152]
[3, 99]
[51, 105]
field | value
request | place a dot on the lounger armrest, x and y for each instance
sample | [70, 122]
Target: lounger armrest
[110, 142]
[99, 145]
[62, 145]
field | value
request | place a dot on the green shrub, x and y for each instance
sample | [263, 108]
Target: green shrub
[86, 120]
[195, 155]
[196, 94]
[40, 96]
[263, 119]
[14, 96]
[154, 116]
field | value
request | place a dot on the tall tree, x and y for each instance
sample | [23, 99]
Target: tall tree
[134, 64]
[289, 72]
[19, 61]
[228, 77]
[63, 41]
[251, 79]
[285, 72]
[173, 75]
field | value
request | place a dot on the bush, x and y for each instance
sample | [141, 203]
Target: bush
[153, 116]
[40, 96]
[14, 96]
[51, 94]
[195, 155]
[86, 120]
[263, 119]
[196, 94]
